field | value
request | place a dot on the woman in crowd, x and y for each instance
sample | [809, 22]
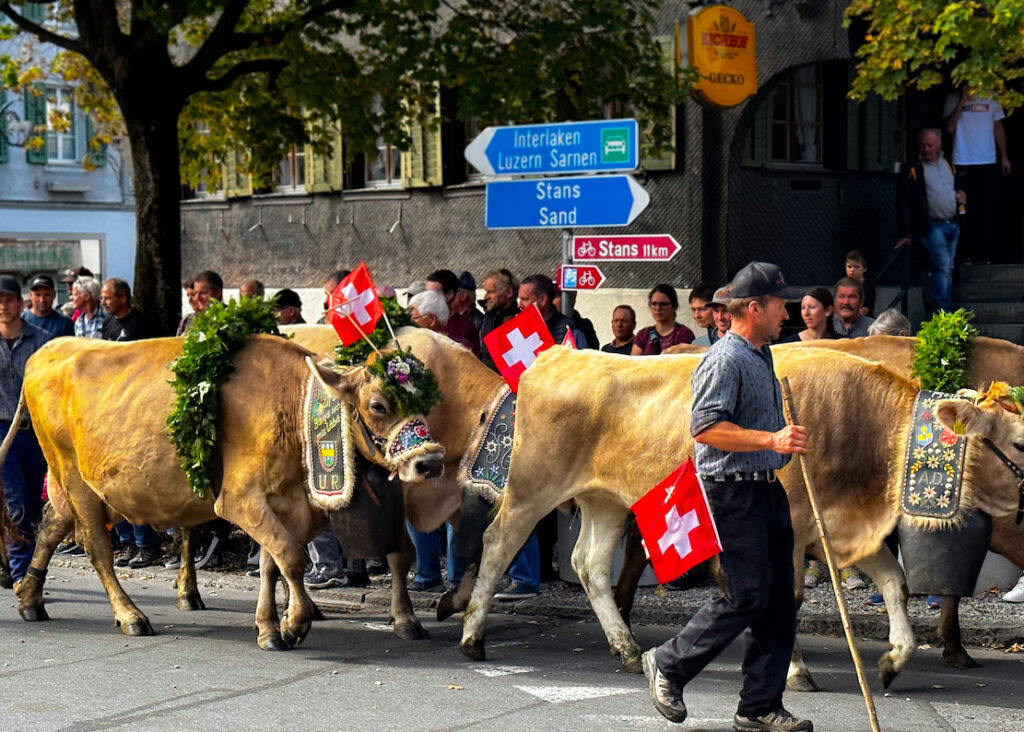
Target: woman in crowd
[816, 311]
[663, 303]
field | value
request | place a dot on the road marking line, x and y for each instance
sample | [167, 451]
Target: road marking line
[491, 671]
[562, 694]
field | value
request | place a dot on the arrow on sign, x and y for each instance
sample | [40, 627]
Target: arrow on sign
[580, 277]
[604, 200]
[641, 248]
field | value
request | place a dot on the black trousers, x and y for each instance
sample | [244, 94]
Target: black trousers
[979, 183]
[757, 565]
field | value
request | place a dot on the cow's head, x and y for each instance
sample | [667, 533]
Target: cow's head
[384, 432]
[997, 455]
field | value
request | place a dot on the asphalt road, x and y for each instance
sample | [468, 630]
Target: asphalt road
[204, 671]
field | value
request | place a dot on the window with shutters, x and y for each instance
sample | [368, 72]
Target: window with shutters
[290, 175]
[62, 144]
[34, 12]
[383, 169]
[796, 117]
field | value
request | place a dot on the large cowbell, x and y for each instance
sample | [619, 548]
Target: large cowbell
[945, 561]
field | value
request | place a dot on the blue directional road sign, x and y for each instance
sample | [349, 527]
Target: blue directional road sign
[600, 200]
[602, 146]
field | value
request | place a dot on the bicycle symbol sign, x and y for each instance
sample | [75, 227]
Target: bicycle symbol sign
[580, 277]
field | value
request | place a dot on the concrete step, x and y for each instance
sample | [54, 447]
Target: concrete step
[994, 312]
[1013, 332]
[988, 292]
[992, 273]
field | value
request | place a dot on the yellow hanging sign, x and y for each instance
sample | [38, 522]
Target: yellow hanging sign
[721, 48]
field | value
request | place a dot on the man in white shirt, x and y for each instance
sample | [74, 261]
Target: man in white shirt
[977, 128]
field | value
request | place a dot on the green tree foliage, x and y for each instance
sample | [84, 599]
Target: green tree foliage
[196, 80]
[919, 43]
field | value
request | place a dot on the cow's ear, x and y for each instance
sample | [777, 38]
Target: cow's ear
[963, 418]
[342, 385]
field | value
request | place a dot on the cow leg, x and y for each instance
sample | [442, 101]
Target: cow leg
[407, 626]
[600, 530]
[953, 651]
[456, 600]
[887, 574]
[799, 677]
[634, 562]
[29, 591]
[268, 626]
[188, 589]
[502, 540]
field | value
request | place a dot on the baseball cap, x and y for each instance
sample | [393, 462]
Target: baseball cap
[10, 285]
[466, 281]
[287, 298]
[762, 278]
[74, 273]
[721, 296]
[42, 281]
[414, 289]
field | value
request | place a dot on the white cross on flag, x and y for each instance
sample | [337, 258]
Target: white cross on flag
[514, 346]
[353, 307]
[676, 524]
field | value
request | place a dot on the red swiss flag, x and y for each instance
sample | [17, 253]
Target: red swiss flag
[569, 341]
[353, 307]
[514, 346]
[676, 524]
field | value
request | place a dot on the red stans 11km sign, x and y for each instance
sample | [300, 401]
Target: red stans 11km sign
[640, 248]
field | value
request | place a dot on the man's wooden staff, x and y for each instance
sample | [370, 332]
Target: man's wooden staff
[790, 406]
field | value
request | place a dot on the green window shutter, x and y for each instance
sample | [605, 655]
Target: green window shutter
[880, 133]
[5, 153]
[667, 159]
[35, 112]
[96, 152]
[316, 172]
[34, 12]
[236, 182]
[758, 149]
[421, 163]
[336, 163]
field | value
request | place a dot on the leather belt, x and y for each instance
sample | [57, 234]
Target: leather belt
[758, 476]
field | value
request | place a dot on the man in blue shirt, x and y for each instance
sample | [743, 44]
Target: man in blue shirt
[42, 315]
[24, 468]
[741, 440]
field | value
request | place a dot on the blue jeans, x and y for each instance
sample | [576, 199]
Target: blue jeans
[325, 552]
[940, 241]
[525, 568]
[141, 536]
[23, 473]
[757, 566]
[428, 562]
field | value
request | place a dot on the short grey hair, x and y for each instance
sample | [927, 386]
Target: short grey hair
[431, 302]
[933, 130]
[891, 322]
[90, 285]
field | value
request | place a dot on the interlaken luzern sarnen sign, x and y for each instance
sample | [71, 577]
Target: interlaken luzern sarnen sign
[721, 48]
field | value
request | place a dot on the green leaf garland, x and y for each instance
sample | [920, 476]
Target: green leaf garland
[358, 352]
[213, 337]
[943, 350]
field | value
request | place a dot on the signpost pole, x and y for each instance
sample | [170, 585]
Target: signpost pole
[568, 299]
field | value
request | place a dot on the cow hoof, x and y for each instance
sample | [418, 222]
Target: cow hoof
[446, 606]
[473, 650]
[801, 683]
[294, 637]
[190, 601]
[137, 628]
[317, 613]
[273, 643]
[960, 659]
[886, 671]
[411, 631]
[631, 663]
[33, 613]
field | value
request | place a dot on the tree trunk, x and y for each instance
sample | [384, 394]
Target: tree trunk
[153, 132]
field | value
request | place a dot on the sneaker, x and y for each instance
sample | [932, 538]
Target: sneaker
[312, 578]
[205, 552]
[852, 580]
[376, 565]
[666, 696]
[324, 580]
[516, 591]
[875, 599]
[778, 721]
[146, 557]
[933, 601]
[427, 586]
[70, 549]
[253, 560]
[127, 555]
[173, 561]
[1017, 593]
[812, 576]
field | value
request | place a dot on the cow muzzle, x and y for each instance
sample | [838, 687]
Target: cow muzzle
[412, 453]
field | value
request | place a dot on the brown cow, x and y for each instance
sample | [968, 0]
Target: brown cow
[628, 422]
[75, 389]
[992, 359]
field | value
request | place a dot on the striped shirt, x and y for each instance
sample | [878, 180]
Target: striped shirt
[735, 382]
[86, 327]
[12, 366]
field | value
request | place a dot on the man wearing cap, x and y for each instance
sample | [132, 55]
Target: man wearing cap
[741, 439]
[289, 307]
[70, 277]
[719, 305]
[464, 304]
[24, 467]
[42, 315]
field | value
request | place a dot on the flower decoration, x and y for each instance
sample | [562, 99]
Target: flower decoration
[411, 386]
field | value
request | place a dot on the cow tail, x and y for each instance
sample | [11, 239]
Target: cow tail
[8, 531]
